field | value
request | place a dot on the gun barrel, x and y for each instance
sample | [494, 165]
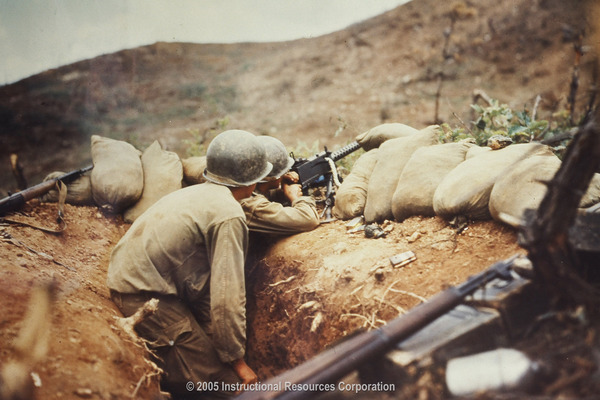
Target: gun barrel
[335, 363]
[344, 151]
[15, 201]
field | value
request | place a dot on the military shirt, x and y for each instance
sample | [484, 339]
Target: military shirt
[263, 215]
[191, 243]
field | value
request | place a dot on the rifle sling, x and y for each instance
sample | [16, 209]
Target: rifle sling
[62, 224]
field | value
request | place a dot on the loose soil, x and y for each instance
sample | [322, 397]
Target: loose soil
[347, 276]
[88, 354]
[343, 279]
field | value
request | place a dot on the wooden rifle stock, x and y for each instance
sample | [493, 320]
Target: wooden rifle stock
[338, 361]
[17, 200]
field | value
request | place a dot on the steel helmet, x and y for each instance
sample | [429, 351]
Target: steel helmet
[236, 158]
[276, 155]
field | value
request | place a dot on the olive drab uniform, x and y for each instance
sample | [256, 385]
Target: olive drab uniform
[265, 216]
[187, 250]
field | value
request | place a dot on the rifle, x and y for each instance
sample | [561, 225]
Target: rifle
[320, 170]
[331, 365]
[17, 200]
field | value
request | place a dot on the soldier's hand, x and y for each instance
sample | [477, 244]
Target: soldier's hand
[246, 374]
[290, 177]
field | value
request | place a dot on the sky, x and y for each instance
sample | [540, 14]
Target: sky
[37, 35]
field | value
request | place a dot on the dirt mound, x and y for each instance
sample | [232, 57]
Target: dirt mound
[314, 288]
[89, 356]
[344, 280]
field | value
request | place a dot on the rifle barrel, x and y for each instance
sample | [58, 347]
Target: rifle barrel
[17, 200]
[338, 361]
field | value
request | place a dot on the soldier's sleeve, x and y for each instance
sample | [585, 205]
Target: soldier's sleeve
[271, 217]
[228, 242]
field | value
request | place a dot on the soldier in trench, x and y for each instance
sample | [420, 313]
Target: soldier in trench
[272, 217]
[277, 207]
[188, 251]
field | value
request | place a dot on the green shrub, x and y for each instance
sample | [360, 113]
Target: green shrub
[499, 119]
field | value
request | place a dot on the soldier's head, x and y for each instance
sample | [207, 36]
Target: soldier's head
[276, 155]
[236, 158]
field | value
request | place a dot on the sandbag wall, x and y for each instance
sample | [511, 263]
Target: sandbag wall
[407, 172]
[128, 181]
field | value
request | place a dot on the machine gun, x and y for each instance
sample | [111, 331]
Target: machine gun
[331, 365]
[17, 200]
[320, 170]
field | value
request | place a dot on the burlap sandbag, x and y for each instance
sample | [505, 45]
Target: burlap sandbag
[374, 137]
[79, 191]
[476, 151]
[391, 159]
[466, 189]
[193, 168]
[351, 196]
[592, 195]
[423, 172]
[117, 178]
[163, 174]
[522, 187]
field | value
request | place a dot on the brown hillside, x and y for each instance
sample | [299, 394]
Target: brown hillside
[383, 69]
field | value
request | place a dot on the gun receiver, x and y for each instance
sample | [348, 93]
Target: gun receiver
[17, 200]
[338, 361]
[313, 171]
[319, 171]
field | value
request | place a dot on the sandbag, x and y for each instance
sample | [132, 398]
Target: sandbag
[117, 178]
[522, 187]
[163, 174]
[466, 189]
[374, 137]
[391, 159]
[79, 191]
[193, 168]
[422, 174]
[592, 195]
[351, 196]
[476, 151]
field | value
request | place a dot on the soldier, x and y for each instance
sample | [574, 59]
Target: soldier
[188, 251]
[265, 216]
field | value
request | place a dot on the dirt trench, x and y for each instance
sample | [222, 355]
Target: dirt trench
[310, 290]
[305, 292]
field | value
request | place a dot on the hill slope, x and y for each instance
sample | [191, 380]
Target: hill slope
[328, 88]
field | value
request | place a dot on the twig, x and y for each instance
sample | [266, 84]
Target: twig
[416, 296]
[390, 289]
[367, 320]
[7, 237]
[480, 94]
[578, 47]
[563, 382]
[399, 309]
[462, 123]
[288, 280]
[127, 325]
[17, 170]
[536, 104]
